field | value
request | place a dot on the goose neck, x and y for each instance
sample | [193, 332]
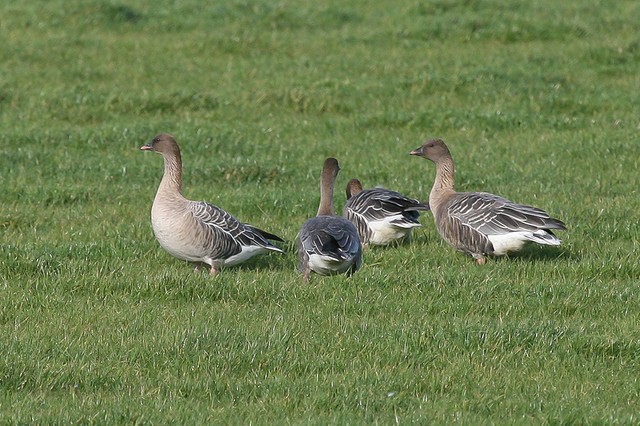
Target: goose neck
[444, 175]
[326, 194]
[172, 177]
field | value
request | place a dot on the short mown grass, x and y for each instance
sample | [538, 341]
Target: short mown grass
[538, 102]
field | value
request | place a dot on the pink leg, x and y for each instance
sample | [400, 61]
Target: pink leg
[214, 271]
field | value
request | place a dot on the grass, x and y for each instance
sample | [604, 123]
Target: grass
[537, 102]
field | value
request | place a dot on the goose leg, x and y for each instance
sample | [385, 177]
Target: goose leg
[306, 273]
[214, 271]
[303, 266]
[480, 260]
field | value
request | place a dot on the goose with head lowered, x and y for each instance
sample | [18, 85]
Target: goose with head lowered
[197, 231]
[479, 223]
[328, 244]
[381, 216]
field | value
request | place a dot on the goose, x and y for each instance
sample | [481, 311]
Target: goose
[328, 244]
[480, 223]
[380, 215]
[197, 231]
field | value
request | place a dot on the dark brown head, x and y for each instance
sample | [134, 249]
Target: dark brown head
[164, 144]
[353, 187]
[330, 167]
[434, 150]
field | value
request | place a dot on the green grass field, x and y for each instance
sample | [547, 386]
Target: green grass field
[538, 102]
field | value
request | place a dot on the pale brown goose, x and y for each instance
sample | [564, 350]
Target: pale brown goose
[479, 223]
[197, 231]
[328, 244]
[381, 216]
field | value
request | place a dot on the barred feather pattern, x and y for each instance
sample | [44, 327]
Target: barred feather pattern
[329, 245]
[469, 220]
[223, 236]
[383, 208]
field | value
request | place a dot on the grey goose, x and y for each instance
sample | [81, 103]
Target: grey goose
[197, 231]
[328, 244]
[381, 216]
[480, 223]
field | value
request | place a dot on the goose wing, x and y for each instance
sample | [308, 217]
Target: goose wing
[224, 235]
[333, 237]
[493, 215]
[379, 203]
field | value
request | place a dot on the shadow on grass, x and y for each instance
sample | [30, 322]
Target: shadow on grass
[536, 253]
[270, 261]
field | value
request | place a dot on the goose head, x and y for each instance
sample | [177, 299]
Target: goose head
[164, 144]
[434, 150]
[353, 187]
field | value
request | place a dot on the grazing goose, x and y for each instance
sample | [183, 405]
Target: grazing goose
[380, 215]
[328, 244]
[197, 231]
[479, 223]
